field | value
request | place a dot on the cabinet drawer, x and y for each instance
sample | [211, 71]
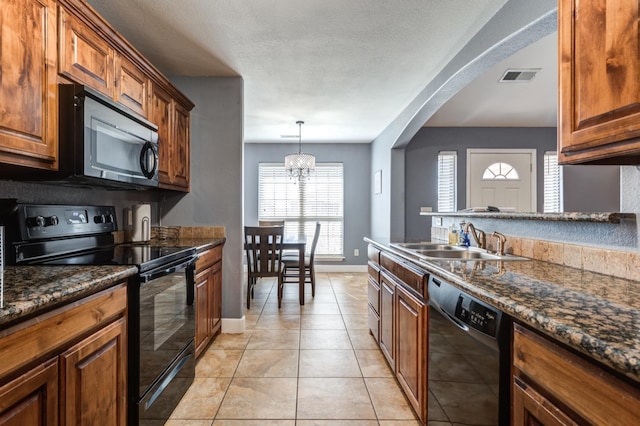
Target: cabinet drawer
[209, 257]
[374, 271]
[373, 292]
[373, 254]
[412, 276]
[374, 323]
[578, 384]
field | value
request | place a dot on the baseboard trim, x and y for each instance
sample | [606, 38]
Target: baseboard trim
[233, 325]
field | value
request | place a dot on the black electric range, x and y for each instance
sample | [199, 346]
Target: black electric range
[161, 310]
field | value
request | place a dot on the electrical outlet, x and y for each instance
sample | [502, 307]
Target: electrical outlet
[356, 252]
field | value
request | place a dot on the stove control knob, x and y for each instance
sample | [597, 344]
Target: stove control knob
[35, 221]
[109, 218]
[52, 221]
[99, 218]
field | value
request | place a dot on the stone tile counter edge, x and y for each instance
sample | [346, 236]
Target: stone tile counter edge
[593, 313]
[30, 290]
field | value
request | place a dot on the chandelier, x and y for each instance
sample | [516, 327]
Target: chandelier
[299, 165]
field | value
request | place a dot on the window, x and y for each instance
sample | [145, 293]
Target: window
[447, 165]
[303, 203]
[503, 171]
[552, 198]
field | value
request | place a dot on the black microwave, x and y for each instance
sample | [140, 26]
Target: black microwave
[102, 143]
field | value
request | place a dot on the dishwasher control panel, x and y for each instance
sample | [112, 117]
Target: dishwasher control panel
[477, 315]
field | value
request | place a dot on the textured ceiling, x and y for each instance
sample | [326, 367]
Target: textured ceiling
[345, 67]
[486, 102]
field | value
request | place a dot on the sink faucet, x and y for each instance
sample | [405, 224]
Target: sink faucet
[478, 235]
[501, 241]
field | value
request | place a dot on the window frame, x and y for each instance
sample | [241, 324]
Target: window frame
[328, 209]
[447, 185]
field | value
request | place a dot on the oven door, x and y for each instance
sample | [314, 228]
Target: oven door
[162, 331]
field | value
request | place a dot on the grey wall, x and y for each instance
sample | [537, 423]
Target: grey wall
[356, 159]
[216, 175]
[516, 25]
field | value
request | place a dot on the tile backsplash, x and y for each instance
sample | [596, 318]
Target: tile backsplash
[622, 264]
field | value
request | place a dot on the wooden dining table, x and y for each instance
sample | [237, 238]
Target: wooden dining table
[297, 242]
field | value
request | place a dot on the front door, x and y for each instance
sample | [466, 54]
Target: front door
[504, 178]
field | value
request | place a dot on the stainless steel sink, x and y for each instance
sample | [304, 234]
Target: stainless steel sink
[465, 254]
[435, 251]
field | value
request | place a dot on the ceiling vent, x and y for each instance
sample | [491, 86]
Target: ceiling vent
[518, 75]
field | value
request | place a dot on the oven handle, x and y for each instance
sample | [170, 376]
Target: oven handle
[168, 269]
[454, 320]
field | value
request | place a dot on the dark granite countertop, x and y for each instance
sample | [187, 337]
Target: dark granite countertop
[31, 290]
[606, 217]
[598, 315]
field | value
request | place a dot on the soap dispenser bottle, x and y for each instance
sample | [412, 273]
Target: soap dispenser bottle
[453, 235]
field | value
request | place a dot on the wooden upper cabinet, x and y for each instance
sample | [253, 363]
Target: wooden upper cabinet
[84, 56]
[161, 114]
[599, 82]
[28, 86]
[180, 159]
[132, 86]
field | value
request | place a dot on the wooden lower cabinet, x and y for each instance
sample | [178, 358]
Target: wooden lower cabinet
[532, 409]
[93, 379]
[398, 315]
[411, 349]
[208, 298]
[69, 366]
[553, 386]
[387, 318]
[32, 398]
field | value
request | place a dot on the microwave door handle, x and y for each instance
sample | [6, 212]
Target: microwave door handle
[147, 153]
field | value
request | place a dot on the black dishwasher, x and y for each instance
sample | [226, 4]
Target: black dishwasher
[468, 358]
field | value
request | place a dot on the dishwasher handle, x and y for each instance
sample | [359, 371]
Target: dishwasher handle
[454, 320]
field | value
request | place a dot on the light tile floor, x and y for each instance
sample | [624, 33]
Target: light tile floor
[309, 365]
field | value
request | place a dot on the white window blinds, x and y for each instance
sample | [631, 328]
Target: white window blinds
[303, 203]
[552, 194]
[447, 164]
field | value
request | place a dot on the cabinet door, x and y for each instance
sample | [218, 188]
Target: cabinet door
[31, 399]
[216, 298]
[93, 379]
[411, 349]
[84, 56]
[161, 115]
[132, 86]
[529, 408]
[599, 78]
[180, 153]
[28, 87]
[203, 310]
[387, 318]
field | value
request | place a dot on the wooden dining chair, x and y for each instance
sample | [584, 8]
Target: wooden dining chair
[263, 245]
[271, 223]
[291, 265]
